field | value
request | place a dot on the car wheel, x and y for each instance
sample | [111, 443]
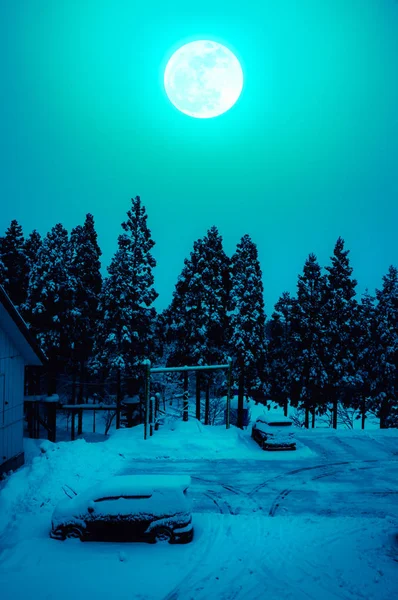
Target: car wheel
[73, 532]
[163, 535]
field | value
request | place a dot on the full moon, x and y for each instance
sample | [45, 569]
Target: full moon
[203, 79]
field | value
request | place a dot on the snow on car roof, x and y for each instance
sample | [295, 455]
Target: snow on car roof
[130, 485]
[268, 419]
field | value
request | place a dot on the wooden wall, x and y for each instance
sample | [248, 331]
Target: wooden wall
[11, 400]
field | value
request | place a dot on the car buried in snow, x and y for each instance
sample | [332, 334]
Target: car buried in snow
[148, 508]
[274, 433]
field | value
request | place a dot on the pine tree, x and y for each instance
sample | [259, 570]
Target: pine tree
[340, 314]
[281, 356]
[85, 268]
[385, 402]
[247, 316]
[308, 332]
[51, 293]
[125, 335]
[32, 247]
[365, 336]
[15, 264]
[198, 319]
[33, 244]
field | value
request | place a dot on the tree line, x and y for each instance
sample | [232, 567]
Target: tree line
[321, 349]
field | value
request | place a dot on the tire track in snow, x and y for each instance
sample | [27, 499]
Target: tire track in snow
[295, 472]
[223, 505]
[277, 501]
[212, 536]
[225, 574]
[327, 473]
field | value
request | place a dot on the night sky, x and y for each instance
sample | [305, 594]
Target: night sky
[308, 153]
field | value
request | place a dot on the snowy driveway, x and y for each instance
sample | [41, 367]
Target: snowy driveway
[343, 477]
[319, 524]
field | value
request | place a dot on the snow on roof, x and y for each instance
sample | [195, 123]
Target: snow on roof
[130, 485]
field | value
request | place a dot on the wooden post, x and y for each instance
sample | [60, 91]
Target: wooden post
[147, 396]
[207, 403]
[185, 398]
[197, 395]
[118, 399]
[229, 378]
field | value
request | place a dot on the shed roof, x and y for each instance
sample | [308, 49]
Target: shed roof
[17, 330]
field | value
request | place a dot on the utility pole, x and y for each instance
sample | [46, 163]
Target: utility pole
[147, 396]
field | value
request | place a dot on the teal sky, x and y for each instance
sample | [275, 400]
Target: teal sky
[308, 153]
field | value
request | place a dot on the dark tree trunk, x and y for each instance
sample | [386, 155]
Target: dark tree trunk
[240, 397]
[285, 407]
[81, 383]
[384, 413]
[313, 418]
[118, 398]
[335, 404]
[307, 418]
[73, 399]
[52, 378]
[363, 413]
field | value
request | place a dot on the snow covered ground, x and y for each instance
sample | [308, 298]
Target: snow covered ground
[318, 523]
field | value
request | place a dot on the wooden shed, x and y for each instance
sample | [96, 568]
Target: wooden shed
[18, 348]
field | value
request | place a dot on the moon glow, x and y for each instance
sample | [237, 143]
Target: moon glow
[203, 79]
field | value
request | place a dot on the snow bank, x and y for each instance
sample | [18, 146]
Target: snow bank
[38, 487]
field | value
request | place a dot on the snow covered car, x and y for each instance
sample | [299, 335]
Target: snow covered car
[274, 433]
[151, 508]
